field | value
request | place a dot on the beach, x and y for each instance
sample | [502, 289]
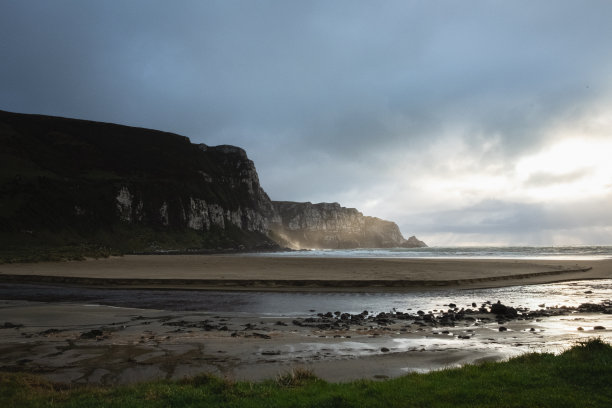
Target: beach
[301, 273]
[77, 341]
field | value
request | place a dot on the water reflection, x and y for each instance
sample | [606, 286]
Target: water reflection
[302, 304]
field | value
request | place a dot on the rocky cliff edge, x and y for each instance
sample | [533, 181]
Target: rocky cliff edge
[68, 182]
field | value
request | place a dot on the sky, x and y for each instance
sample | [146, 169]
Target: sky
[465, 122]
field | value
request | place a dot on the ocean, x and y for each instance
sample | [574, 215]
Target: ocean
[512, 252]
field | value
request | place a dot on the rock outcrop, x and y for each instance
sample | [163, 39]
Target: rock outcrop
[69, 181]
[328, 225]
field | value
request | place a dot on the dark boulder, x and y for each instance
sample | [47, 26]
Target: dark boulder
[503, 310]
[92, 334]
[9, 325]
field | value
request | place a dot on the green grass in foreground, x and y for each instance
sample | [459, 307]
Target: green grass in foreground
[580, 377]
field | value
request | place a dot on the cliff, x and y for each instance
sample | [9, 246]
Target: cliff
[328, 225]
[69, 182]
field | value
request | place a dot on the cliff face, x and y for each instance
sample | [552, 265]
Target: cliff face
[68, 182]
[228, 195]
[328, 225]
[84, 180]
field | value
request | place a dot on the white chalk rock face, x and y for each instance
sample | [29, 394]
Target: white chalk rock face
[124, 204]
[232, 197]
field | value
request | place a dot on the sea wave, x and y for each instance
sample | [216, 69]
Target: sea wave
[512, 252]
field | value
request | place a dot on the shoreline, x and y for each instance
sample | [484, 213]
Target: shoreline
[82, 344]
[259, 273]
[298, 285]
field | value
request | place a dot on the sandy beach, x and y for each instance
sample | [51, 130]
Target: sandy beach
[303, 274]
[77, 342]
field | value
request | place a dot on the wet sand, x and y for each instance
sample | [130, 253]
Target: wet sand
[304, 274]
[74, 343]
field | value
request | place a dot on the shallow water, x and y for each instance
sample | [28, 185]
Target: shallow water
[304, 304]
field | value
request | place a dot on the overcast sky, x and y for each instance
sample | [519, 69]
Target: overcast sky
[466, 122]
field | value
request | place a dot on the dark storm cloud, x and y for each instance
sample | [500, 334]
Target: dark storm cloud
[324, 95]
[332, 72]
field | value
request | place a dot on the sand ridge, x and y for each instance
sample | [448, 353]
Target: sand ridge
[244, 272]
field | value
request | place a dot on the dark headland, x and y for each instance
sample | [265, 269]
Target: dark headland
[71, 186]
